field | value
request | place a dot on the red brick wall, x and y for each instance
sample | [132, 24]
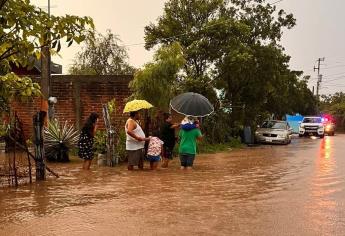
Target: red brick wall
[77, 97]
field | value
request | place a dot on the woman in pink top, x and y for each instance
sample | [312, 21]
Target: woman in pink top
[154, 151]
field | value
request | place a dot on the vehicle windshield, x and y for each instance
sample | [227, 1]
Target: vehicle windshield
[273, 125]
[312, 120]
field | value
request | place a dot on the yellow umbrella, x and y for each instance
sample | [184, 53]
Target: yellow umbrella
[136, 105]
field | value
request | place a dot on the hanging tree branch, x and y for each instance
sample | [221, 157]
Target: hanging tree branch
[2, 4]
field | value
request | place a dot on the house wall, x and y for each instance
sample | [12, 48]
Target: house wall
[78, 96]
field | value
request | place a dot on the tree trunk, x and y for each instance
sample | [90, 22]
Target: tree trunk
[38, 121]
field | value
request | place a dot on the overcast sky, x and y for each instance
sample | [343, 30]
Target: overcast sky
[320, 32]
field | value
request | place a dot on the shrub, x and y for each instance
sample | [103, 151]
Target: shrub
[120, 148]
[216, 127]
[100, 142]
[58, 140]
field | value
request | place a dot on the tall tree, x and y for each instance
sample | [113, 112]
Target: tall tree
[194, 24]
[232, 46]
[335, 105]
[102, 55]
[157, 81]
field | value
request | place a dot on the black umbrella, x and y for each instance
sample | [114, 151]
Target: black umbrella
[192, 104]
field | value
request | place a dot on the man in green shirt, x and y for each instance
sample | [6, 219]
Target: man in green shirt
[187, 148]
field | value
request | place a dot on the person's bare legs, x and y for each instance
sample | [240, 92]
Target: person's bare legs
[87, 164]
[141, 164]
[130, 167]
[165, 163]
[154, 165]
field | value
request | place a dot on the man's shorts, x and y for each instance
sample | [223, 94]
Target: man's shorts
[135, 156]
[187, 160]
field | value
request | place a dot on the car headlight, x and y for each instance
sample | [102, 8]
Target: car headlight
[281, 135]
[257, 133]
[302, 126]
[320, 126]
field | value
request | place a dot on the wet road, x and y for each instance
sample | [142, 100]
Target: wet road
[297, 189]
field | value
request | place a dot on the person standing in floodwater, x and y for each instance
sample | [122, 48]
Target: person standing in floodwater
[86, 139]
[187, 149]
[168, 137]
[135, 141]
[154, 151]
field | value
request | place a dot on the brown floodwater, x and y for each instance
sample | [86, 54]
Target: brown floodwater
[297, 189]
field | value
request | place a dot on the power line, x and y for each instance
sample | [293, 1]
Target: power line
[342, 73]
[336, 78]
[319, 76]
[335, 85]
[332, 67]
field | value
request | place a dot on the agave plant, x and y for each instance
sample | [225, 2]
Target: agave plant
[59, 139]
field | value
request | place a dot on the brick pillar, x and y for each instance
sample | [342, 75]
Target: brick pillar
[77, 103]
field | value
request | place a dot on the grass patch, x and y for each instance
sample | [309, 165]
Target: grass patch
[205, 147]
[208, 148]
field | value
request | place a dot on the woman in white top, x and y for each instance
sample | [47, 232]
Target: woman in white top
[135, 141]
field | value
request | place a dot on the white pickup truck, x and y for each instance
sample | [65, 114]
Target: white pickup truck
[312, 125]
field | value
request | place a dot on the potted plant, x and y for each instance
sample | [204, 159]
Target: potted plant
[58, 140]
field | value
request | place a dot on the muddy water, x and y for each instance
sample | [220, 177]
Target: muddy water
[269, 190]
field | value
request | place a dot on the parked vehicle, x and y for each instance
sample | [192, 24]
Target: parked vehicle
[312, 125]
[274, 131]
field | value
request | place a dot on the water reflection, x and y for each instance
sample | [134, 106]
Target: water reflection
[325, 183]
[238, 193]
[326, 147]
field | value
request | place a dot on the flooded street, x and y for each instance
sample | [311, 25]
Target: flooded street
[297, 189]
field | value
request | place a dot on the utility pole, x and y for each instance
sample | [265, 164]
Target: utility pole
[319, 80]
[45, 62]
[319, 76]
[39, 118]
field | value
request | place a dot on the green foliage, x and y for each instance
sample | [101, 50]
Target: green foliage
[120, 148]
[59, 139]
[12, 86]
[234, 47]
[157, 81]
[334, 105]
[24, 31]
[217, 127]
[206, 147]
[102, 55]
[112, 106]
[100, 142]
[3, 129]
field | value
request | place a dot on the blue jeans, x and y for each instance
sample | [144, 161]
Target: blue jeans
[186, 159]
